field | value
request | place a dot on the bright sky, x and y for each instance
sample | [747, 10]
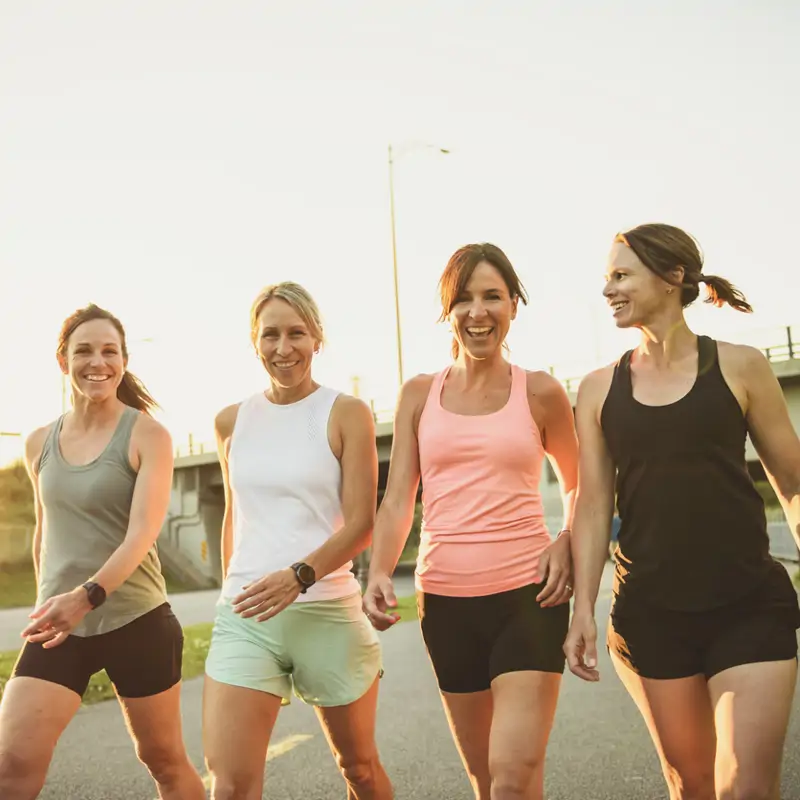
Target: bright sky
[167, 160]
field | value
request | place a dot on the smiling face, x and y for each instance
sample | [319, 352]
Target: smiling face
[284, 343]
[482, 312]
[635, 293]
[94, 360]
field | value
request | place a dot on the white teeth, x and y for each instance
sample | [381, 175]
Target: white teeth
[97, 378]
[618, 306]
[478, 331]
[285, 364]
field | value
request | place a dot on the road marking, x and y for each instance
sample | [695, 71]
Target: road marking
[276, 750]
[285, 745]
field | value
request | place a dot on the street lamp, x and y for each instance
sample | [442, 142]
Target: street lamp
[401, 151]
[146, 340]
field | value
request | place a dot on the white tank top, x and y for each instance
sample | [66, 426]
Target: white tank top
[286, 490]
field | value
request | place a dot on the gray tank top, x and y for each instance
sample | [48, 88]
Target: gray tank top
[86, 512]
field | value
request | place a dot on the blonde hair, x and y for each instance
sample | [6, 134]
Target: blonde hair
[298, 298]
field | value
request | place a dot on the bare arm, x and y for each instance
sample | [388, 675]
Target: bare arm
[771, 430]
[558, 435]
[149, 505]
[591, 532]
[33, 451]
[552, 412]
[359, 460]
[594, 507]
[396, 513]
[223, 430]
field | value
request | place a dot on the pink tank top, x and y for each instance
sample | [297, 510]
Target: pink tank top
[483, 526]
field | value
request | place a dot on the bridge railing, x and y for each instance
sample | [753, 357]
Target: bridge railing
[786, 350]
[194, 447]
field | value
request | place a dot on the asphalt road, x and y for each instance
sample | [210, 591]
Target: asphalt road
[599, 748]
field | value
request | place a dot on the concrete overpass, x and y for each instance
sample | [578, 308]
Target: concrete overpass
[190, 539]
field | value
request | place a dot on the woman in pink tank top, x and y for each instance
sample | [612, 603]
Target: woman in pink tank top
[493, 587]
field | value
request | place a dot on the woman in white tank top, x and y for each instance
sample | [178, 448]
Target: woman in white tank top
[300, 472]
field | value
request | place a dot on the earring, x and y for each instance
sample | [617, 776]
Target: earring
[669, 291]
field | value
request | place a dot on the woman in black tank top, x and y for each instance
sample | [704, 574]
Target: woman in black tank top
[703, 624]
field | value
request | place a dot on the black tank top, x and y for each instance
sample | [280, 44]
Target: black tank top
[693, 534]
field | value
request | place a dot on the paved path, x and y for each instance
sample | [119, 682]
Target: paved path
[596, 727]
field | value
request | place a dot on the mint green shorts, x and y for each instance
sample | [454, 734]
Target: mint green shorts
[326, 651]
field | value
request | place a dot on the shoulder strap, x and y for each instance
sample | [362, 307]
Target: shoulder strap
[707, 361]
[50, 443]
[621, 380]
[121, 440]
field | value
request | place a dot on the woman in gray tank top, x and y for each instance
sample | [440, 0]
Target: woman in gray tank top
[102, 477]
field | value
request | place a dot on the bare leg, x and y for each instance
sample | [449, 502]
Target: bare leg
[680, 719]
[237, 725]
[752, 704]
[470, 718]
[350, 731]
[33, 715]
[155, 725]
[524, 709]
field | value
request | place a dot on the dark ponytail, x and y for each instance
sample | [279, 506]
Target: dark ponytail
[721, 291]
[131, 390]
[664, 248]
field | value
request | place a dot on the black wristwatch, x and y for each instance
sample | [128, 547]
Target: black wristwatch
[97, 594]
[305, 575]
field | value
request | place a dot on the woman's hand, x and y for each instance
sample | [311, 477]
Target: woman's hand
[268, 596]
[57, 617]
[555, 567]
[378, 599]
[580, 646]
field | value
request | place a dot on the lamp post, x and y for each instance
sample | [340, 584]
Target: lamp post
[401, 151]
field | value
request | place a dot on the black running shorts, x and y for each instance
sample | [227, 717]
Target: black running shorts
[660, 643]
[472, 640]
[142, 658]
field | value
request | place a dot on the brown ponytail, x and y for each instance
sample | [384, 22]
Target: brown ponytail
[131, 390]
[664, 248]
[134, 393]
[721, 291]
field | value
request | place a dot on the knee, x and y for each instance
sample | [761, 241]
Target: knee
[228, 785]
[165, 763]
[225, 789]
[361, 772]
[747, 789]
[511, 779]
[21, 777]
[694, 785]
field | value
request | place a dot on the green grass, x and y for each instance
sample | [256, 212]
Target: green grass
[407, 608]
[196, 640]
[17, 587]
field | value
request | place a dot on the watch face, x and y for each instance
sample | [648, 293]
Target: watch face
[306, 574]
[96, 594]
